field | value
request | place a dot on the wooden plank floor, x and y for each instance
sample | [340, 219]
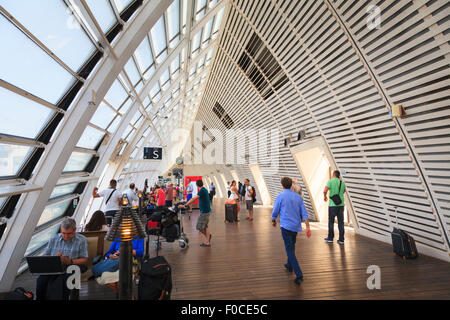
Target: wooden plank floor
[246, 261]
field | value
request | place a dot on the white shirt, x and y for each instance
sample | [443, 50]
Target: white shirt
[233, 194]
[114, 201]
[193, 185]
[248, 190]
[131, 195]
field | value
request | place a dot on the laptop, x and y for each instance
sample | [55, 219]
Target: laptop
[45, 265]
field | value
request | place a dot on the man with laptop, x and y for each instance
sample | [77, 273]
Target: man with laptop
[72, 249]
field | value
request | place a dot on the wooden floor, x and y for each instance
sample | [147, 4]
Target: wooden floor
[246, 261]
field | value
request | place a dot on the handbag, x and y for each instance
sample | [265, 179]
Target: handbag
[336, 198]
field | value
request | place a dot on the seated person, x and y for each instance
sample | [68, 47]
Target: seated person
[111, 261]
[73, 249]
[97, 222]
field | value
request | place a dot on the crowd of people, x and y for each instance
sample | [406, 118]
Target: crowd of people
[288, 206]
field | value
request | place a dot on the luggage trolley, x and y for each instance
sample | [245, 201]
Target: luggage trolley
[160, 221]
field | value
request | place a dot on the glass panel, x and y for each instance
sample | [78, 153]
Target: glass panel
[162, 57]
[2, 201]
[196, 41]
[158, 35]
[165, 76]
[103, 13]
[143, 55]
[112, 128]
[207, 30]
[54, 24]
[77, 161]
[116, 94]
[139, 87]
[127, 131]
[90, 138]
[173, 15]
[63, 190]
[12, 157]
[126, 106]
[217, 21]
[33, 116]
[103, 116]
[149, 72]
[23, 57]
[41, 239]
[53, 211]
[122, 4]
[132, 71]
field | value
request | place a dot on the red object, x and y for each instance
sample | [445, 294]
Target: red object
[193, 179]
[161, 197]
[152, 224]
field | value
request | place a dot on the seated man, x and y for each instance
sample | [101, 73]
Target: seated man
[73, 249]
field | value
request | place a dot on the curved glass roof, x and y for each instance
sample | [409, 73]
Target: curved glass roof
[52, 50]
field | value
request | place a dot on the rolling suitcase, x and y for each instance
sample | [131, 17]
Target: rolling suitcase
[231, 213]
[403, 244]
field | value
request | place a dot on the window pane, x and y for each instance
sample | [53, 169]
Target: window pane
[143, 55]
[22, 57]
[103, 13]
[158, 35]
[2, 201]
[103, 116]
[32, 115]
[63, 190]
[77, 161]
[90, 138]
[112, 128]
[122, 4]
[53, 23]
[173, 14]
[53, 211]
[12, 157]
[126, 106]
[116, 94]
[132, 71]
[41, 239]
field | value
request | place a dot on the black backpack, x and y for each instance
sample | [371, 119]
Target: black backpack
[19, 294]
[155, 280]
[253, 194]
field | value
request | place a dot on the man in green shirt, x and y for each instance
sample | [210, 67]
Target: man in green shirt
[335, 206]
[205, 210]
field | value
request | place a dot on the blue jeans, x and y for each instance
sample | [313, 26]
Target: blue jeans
[109, 265]
[290, 238]
[339, 213]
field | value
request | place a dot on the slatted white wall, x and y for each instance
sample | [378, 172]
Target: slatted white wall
[343, 79]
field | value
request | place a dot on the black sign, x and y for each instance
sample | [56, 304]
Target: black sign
[153, 153]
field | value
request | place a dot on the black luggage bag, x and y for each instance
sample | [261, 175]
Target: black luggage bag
[155, 279]
[231, 214]
[403, 244]
[19, 294]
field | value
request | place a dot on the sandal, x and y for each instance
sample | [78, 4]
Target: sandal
[205, 245]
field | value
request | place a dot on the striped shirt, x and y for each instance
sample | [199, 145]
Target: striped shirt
[76, 248]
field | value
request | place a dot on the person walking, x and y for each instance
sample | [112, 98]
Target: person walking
[205, 210]
[249, 194]
[337, 188]
[212, 192]
[113, 198]
[169, 195]
[291, 209]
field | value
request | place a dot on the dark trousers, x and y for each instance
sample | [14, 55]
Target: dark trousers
[339, 213]
[52, 287]
[109, 215]
[290, 238]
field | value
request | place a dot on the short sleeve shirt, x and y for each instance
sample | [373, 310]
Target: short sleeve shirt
[203, 201]
[114, 201]
[333, 186]
[76, 248]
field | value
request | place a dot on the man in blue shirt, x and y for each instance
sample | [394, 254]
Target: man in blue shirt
[205, 209]
[73, 250]
[289, 205]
